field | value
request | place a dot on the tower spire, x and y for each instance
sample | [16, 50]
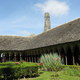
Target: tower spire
[47, 22]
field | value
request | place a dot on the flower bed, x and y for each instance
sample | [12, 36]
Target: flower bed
[15, 70]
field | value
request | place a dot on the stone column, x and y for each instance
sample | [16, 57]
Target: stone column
[20, 56]
[72, 50]
[15, 56]
[66, 58]
[35, 59]
[9, 55]
[25, 57]
[29, 59]
[38, 58]
[58, 52]
[43, 51]
[32, 59]
[65, 50]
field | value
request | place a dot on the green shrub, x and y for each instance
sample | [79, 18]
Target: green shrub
[51, 62]
[10, 70]
[72, 66]
[71, 71]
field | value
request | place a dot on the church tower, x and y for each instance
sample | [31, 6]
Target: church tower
[47, 22]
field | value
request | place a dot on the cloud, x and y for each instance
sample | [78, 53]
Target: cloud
[24, 33]
[19, 33]
[54, 7]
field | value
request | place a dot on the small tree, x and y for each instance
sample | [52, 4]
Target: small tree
[51, 62]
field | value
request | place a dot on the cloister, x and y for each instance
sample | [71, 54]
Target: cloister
[63, 40]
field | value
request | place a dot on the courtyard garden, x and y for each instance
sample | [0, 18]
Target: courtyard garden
[50, 67]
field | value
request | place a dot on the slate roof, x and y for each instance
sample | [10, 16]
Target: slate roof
[13, 42]
[67, 32]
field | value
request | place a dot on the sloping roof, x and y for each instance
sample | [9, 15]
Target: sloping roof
[13, 42]
[67, 32]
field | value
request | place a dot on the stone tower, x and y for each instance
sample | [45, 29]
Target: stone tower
[47, 22]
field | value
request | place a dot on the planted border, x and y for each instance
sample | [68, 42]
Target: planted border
[14, 71]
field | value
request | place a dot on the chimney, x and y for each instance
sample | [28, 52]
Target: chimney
[47, 22]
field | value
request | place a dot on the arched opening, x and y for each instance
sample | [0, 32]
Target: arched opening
[69, 56]
[6, 56]
[62, 53]
[17, 56]
[77, 55]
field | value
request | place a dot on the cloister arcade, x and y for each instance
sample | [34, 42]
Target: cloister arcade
[69, 53]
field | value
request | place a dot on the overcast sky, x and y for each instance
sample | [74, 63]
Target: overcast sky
[26, 17]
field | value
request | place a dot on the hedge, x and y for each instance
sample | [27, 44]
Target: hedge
[72, 66]
[12, 71]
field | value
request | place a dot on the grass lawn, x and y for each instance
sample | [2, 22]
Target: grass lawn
[46, 75]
